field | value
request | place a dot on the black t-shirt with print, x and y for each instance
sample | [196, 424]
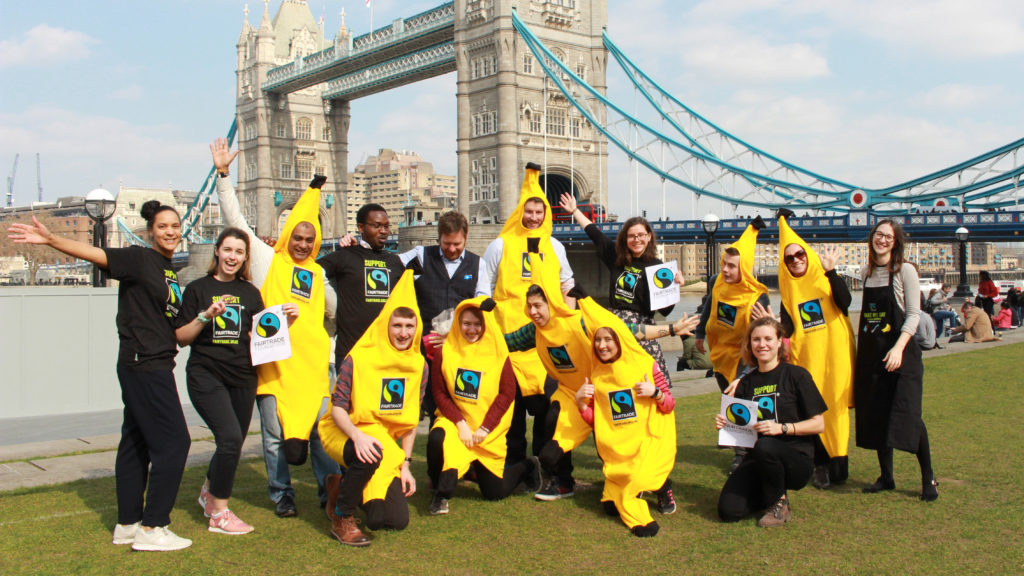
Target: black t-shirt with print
[148, 299]
[786, 394]
[629, 290]
[363, 279]
[222, 347]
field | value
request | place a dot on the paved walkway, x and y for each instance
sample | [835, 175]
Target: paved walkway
[55, 449]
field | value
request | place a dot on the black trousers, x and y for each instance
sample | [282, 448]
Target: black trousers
[227, 410]
[537, 405]
[391, 513]
[555, 461]
[769, 469]
[491, 487]
[153, 449]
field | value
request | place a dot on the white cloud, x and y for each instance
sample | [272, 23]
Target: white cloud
[960, 96]
[725, 53]
[44, 45]
[131, 92]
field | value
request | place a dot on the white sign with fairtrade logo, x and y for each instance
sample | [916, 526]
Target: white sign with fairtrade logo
[740, 417]
[661, 281]
[270, 341]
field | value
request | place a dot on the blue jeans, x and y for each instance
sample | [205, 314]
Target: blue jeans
[279, 479]
[940, 319]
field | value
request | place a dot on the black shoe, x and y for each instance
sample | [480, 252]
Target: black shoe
[646, 530]
[610, 509]
[533, 479]
[736, 461]
[820, 479]
[880, 485]
[286, 507]
[929, 491]
[709, 373]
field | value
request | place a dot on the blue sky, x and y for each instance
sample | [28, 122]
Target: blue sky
[873, 92]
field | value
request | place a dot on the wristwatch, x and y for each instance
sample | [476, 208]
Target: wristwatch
[785, 429]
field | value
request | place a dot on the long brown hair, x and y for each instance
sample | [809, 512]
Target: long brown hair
[229, 232]
[896, 255]
[623, 257]
[747, 354]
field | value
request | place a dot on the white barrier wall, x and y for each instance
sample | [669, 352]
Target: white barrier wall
[58, 350]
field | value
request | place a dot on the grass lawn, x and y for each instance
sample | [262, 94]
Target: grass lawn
[975, 527]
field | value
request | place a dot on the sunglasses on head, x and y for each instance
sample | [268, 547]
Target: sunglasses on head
[790, 258]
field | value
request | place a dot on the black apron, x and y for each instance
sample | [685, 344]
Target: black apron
[888, 403]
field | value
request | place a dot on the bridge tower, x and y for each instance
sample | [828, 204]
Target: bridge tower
[283, 139]
[506, 106]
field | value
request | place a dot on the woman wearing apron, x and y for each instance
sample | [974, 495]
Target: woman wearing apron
[888, 374]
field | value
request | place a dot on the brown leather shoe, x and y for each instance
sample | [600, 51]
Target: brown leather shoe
[333, 485]
[346, 530]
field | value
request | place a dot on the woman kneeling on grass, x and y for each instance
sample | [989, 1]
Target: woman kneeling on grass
[789, 416]
[628, 402]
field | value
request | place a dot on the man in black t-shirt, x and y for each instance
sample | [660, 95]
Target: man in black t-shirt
[362, 275]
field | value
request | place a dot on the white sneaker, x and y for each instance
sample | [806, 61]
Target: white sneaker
[159, 539]
[125, 533]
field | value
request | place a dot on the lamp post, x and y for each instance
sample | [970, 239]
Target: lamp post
[710, 225]
[963, 289]
[99, 205]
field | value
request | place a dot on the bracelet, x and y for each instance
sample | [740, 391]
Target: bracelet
[202, 318]
[671, 329]
[484, 430]
[794, 428]
[408, 459]
[223, 174]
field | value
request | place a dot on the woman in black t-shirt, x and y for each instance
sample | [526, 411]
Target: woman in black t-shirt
[154, 437]
[789, 416]
[216, 320]
[627, 258]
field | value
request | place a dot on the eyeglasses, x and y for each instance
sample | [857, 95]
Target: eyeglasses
[643, 236]
[884, 236]
[790, 258]
[378, 226]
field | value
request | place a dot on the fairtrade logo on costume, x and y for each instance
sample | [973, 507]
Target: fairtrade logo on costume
[738, 414]
[467, 383]
[302, 283]
[527, 271]
[622, 404]
[378, 281]
[726, 314]
[811, 314]
[663, 277]
[392, 394]
[268, 326]
[560, 358]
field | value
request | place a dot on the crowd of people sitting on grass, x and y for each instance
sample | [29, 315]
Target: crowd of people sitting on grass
[475, 343]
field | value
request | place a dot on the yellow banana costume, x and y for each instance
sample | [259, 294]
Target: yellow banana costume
[472, 374]
[386, 385]
[301, 382]
[635, 440]
[730, 308]
[565, 350]
[515, 276]
[822, 340]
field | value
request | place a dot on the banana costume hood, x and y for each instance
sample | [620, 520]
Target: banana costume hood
[731, 304]
[635, 440]
[472, 374]
[822, 340]
[299, 383]
[515, 277]
[386, 384]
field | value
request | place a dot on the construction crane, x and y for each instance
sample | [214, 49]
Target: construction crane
[10, 182]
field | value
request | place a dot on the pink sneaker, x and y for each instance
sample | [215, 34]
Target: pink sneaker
[206, 501]
[227, 523]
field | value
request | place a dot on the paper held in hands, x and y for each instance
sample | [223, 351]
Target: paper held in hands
[661, 282]
[270, 341]
[740, 417]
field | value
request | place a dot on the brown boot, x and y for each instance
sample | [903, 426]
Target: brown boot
[776, 515]
[333, 485]
[346, 530]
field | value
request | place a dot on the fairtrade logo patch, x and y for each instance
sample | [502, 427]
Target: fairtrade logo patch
[622, 404]
[527, 271]
[392, 394]
[467, 383]
[228, 324]
[302, 282]
[726, 314]
[627, 281]
[268, 326]
[663, 277]
[560, 358]
[766, 408]
[378, 281]
[811, 314]
[738, 414]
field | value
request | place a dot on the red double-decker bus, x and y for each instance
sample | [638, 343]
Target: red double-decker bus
[592, 211]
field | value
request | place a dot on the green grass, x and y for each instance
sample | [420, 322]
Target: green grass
[974, 528]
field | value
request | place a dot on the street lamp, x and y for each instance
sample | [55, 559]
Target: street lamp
[99, 205]
[710, 225]
[963, 289]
